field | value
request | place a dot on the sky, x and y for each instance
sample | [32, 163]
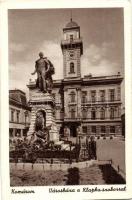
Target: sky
[35, 30]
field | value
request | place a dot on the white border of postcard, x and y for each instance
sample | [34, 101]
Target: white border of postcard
[43, 192]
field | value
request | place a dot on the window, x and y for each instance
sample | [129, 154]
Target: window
[17, 115]
[12, 115]
[102, 113]
[25, 132]
[71, 38]
[102, 95]
[26, 115]
[11, 132]
[72, 113]
[112, 94]
[84, 129]
[118, 93]
[111, 113]
[72, 96]
[103, 129]
[112, 129]
[71, 53]
[93, 95]
[93, 129]
[84, 95]
[72, 67]
[93, 114]
[18, 132]
[84, 113]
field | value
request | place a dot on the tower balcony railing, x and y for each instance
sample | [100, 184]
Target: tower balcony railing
[74, 41]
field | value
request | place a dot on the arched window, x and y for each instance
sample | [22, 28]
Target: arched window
[72, 67]
[102, 113]
[112, 113]
[93, 114]
[71, 38]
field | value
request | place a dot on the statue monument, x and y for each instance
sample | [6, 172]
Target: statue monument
[45, 70]
[42, 103]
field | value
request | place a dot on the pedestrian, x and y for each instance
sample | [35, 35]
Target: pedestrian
[92, 148]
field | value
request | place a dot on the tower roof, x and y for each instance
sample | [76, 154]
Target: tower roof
[71, 24]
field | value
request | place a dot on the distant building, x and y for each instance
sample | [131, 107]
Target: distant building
[92, 104]
[123, 122]
[19, 113]
[86, 105]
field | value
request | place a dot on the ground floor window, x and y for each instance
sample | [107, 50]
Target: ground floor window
[93, 129]
[112, 129]
[17, 132]
[25, 132]
[103, 130]
[11, 132]
[84, 128]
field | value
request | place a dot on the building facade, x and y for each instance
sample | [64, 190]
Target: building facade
[85, 105]
[19, 114]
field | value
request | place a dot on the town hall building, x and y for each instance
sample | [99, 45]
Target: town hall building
[86, 105]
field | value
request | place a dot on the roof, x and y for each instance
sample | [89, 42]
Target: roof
[71, 24]
[18, 96]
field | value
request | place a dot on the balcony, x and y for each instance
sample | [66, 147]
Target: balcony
[66, 119]
[74, 41]
[72, 44]
[72, 103]
[101, 102]
[101, 120]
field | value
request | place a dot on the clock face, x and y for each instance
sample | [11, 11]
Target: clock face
[71, 54]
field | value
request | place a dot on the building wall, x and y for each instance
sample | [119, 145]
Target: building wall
[18, 126]
[75, 60]
[19, 114]
[83, 108]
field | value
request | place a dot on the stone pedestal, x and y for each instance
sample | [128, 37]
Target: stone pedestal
[43, 102]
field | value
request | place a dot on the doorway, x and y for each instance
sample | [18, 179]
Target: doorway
[73, 132]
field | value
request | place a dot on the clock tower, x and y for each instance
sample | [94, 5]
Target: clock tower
[72, 49]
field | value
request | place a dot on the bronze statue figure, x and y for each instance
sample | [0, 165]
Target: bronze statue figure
[44, 69]
[41, 134]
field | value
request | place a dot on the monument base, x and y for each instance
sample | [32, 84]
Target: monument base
[45, 103]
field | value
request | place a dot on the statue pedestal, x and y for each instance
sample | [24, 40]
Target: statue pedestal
[44, 102]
